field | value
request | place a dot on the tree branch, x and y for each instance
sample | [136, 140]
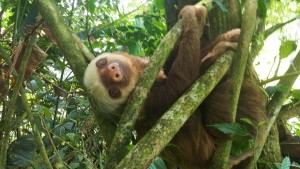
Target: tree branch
[66, 41]
[280, 77]
[273, 108]
[289, 111]
[169, 124]
[126, 125]
[279, 25]
[11, 108]
[222, 153]
[71, 51]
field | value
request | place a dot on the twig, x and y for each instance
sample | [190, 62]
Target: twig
[279, 77]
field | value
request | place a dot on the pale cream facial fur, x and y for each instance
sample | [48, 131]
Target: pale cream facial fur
[96, 88]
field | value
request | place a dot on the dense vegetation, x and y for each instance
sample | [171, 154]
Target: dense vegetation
[47, 114]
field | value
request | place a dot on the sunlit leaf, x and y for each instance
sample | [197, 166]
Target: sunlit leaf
[159, 4]
[92, 6]
[297, 132]
[248, 121]
[296, 94]
[286, 48]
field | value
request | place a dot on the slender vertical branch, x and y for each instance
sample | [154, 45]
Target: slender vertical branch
[222, 153]
[273, 109]
[15, 29]
[11, 107]
[37, 135]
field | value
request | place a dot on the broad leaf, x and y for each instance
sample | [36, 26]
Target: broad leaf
[230, 128]
[286, 48]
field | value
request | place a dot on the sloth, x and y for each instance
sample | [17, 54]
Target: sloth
[111, 77]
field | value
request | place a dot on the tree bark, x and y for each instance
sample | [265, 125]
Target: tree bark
[169, 124]
[126, 125]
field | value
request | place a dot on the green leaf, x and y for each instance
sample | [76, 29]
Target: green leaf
[270, 90]
[281, 88]
[297, 133]
[129, 147]
[296, 94]
[92, 6]
[230, 128]
[22, 151]
[73, 115]
[74, 165]
[286, 48]
[79, 156]
[47, 112]
[159, 4]
[248, 121]
[262, 8]
[158, 163]
[71, 136]
[286, 163]
[135, 49]
[240, 145]
[261, 123]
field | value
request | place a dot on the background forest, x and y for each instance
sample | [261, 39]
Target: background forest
[46, 119]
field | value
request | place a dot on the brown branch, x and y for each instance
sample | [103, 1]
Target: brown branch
[289, 111]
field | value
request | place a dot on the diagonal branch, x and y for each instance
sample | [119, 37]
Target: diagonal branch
[279, 25]
[138, 97]
[273, 109]
[169, 124]
[126, 125]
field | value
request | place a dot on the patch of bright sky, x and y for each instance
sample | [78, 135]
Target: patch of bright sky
[270, 53]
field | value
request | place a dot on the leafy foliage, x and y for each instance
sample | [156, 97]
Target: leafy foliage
[232, 129]
[61, 109]
[286, 163]
[286, 48]
[56, 99]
